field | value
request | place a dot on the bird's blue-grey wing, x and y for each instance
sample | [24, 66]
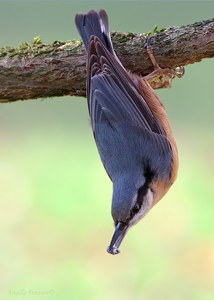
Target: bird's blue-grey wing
[121, 119]
[110, 88]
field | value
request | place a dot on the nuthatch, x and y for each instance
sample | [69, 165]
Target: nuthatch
[130, 127]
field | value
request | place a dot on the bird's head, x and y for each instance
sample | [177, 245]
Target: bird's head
[132, 199]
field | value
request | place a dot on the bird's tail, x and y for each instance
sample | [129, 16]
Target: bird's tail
[94, 24]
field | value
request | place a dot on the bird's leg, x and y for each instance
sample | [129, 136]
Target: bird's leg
[179, 72]
[150, 53]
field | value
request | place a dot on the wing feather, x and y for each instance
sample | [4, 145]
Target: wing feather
[117, 92]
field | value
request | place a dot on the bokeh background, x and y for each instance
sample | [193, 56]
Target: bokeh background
[55, 197]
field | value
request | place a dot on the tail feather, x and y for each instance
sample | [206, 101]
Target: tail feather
[94, 24]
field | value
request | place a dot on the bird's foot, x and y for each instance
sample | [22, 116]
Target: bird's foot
[167, 73]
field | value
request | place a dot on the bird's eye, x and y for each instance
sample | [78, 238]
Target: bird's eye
[136, 208]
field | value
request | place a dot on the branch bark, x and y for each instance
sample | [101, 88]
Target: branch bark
[40, 71]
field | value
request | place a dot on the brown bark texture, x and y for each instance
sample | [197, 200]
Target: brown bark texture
[39, 71]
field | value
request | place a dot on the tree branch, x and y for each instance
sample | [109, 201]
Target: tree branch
[40, 71]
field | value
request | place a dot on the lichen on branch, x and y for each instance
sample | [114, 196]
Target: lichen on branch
[36, 70]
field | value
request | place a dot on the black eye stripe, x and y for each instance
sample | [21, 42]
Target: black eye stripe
[135, 209]
[141, 193]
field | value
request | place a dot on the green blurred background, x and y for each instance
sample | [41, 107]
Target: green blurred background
[55, 197]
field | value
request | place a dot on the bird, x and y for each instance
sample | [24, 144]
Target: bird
[130, 128]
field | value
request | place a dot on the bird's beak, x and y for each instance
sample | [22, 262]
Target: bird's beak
[119, 233]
